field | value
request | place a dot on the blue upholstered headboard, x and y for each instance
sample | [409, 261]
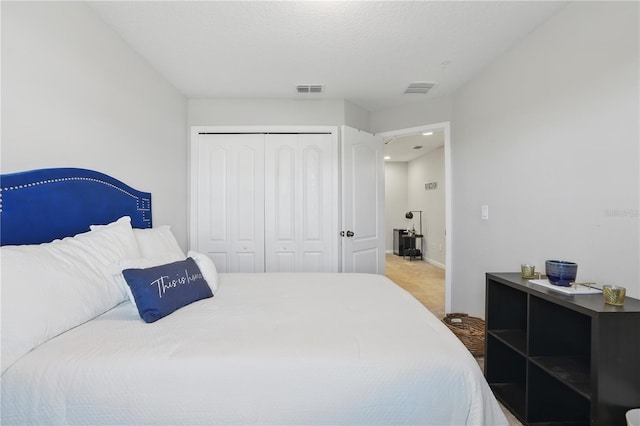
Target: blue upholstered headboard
[41, 205]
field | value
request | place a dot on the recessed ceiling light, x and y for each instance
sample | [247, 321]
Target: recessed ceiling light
[386, 157]
[427, 133]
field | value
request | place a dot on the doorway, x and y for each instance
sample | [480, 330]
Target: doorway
[431, 244]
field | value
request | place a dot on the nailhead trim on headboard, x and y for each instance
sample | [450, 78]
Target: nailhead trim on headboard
[144, 201]
[32, 212]
[42, 182]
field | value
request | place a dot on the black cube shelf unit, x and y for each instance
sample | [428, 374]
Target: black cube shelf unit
[554, 359]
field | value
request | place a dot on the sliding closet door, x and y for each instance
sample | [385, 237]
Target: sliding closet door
[229, 200]
[300, 203]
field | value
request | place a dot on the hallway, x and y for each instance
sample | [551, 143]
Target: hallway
[423, 280]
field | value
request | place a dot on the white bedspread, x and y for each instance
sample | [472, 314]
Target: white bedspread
[282, 349]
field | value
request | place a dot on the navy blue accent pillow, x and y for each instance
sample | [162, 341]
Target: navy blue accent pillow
[164, 289]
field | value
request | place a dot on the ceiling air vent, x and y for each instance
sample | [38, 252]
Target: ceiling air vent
[421, 87]
[309, 88]
[417, 147]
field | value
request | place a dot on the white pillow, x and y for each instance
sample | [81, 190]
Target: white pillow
[207, 267]
[50, 288]
[155, 242]
[116, 269]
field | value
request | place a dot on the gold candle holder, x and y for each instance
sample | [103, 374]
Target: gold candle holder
[613, 295]
[528, 271]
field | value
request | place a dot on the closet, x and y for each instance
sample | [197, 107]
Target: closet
[265, 201]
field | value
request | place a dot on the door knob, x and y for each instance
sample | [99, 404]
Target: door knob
[350, 234]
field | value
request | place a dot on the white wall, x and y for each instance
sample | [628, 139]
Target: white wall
[396, 199]
[276, 112]
[425, 169]
[75, 95]
[357, 117]
[419, 113]
[547, 136]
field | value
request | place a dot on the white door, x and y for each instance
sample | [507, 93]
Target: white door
[362, 202]
[227, 211]
[300, 233]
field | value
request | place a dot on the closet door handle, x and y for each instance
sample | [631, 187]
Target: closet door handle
[350, 234]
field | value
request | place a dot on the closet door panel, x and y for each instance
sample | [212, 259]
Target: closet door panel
[280, 203]
[312, 262]
[213, 212]
[316, 202]
[312, 194]
[298, 203]
[212, 203]
[230, 199]
[284, 194]
[247, 197]
[285, 261]
[221, 260]
[249, 262]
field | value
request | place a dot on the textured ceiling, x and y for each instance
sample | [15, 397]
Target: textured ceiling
[364, 51]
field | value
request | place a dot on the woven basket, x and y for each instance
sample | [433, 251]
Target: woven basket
[470, 330]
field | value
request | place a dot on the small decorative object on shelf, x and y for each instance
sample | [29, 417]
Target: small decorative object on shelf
[528, 271]
[561, 272]
[470, 330]
[614, 295]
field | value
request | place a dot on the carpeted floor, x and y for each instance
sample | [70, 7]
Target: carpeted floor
[426, 283]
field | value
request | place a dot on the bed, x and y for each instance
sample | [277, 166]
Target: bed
[263, 349]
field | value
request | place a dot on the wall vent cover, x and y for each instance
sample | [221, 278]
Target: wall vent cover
[420, 87]
[309, 88]
[417, 147]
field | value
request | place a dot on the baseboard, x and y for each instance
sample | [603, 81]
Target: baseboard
[436, 263]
